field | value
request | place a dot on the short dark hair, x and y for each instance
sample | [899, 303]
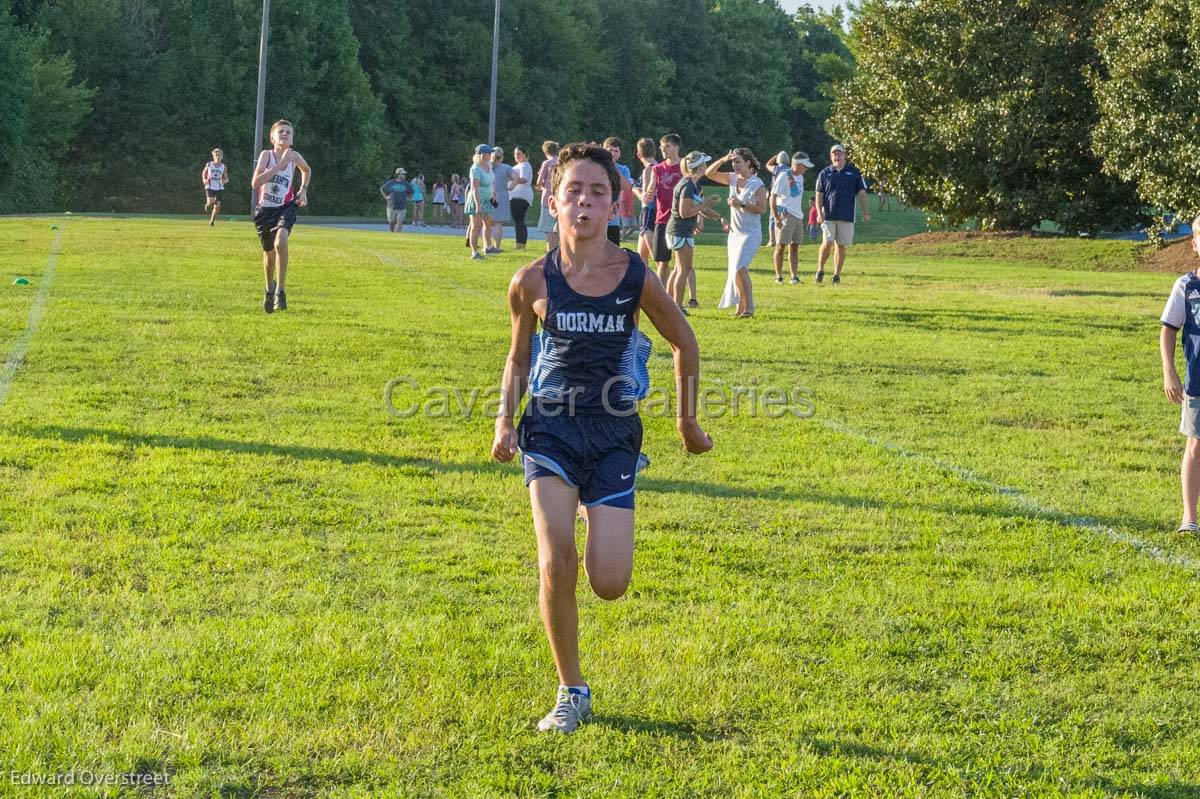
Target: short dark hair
[645, 147]
[613, 141]
[586, 152]
[672, 138]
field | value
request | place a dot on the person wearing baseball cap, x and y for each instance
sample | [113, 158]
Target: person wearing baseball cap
[787, 214]
[480, 193]
[396, 192]
[688, 209]
[838, 186]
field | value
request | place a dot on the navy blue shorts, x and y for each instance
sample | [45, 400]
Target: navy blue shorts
[647, 219]
[599, 455]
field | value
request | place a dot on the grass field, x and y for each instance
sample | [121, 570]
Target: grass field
[222, 560]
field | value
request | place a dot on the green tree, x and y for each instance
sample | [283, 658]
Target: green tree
[1145, 86]
[982, 111]
[821, 62]
[41, 110]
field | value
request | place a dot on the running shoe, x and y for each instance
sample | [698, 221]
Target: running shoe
[820, 276]
[837, 279]
[794, 280]
[779, 280]
[269, 301]
[572, 708]
[493, 250]
[477, 257]
[280, 300]
[693, 303]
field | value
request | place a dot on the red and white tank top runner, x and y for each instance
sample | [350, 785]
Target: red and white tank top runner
[278, 190]
[215, 173]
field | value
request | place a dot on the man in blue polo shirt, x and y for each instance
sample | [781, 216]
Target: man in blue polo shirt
[838, 186]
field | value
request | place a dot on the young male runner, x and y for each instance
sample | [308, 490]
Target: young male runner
[580, 436]
[214, 177]
[275, 212]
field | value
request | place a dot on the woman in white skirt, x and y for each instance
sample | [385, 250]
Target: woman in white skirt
[747, 201]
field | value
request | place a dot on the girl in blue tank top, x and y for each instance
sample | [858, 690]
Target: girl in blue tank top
[585, 368]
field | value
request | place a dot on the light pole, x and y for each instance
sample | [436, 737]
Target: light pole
[495, 70]
[262, 90]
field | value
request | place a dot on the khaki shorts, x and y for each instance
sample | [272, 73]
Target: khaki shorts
[792, 231]
[396, 215]
[1189, 419]
[839, 231]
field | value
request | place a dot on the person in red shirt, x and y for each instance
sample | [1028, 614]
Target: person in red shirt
[663, 177]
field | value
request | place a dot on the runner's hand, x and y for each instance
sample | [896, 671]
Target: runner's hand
[1173, 389]
[695, 440]
[302, 198]
[504, 445]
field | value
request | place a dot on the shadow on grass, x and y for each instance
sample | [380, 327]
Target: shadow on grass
[683, 730]
[485, 466]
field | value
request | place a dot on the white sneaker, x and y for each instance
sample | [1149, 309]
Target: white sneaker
[572, 708]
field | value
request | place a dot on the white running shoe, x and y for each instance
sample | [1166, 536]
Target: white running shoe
[572, 708]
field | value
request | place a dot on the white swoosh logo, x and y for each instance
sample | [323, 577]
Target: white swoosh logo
[622, 302]
[624, 477]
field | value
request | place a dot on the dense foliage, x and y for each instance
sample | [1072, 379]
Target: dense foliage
[1149, 100]
[983, 111]
[114, 104]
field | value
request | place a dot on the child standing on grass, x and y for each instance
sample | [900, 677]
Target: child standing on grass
[456, 199]
[275, 211]
[580, 436]
[1182, 312]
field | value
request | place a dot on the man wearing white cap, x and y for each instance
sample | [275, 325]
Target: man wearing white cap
[396, 192]
[787, 214]
[838, 186]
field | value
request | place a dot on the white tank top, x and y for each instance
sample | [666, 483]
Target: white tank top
[278, 190]
[215, 173]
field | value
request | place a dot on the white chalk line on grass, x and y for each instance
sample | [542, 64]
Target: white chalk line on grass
[1027, 502]
[17, 356]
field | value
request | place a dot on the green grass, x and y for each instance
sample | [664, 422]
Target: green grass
[223, 560]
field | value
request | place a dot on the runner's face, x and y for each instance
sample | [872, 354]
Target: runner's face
[615, 152]
[669, 149]
[583, 203]
[740, 166]
[282, 135]
[838, 158]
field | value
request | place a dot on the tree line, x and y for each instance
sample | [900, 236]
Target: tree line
[115, 104]
[1009, 112]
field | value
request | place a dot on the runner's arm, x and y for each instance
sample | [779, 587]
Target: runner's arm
[263, 173]
[667, 318]
[1172, 385]
[514, 383]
